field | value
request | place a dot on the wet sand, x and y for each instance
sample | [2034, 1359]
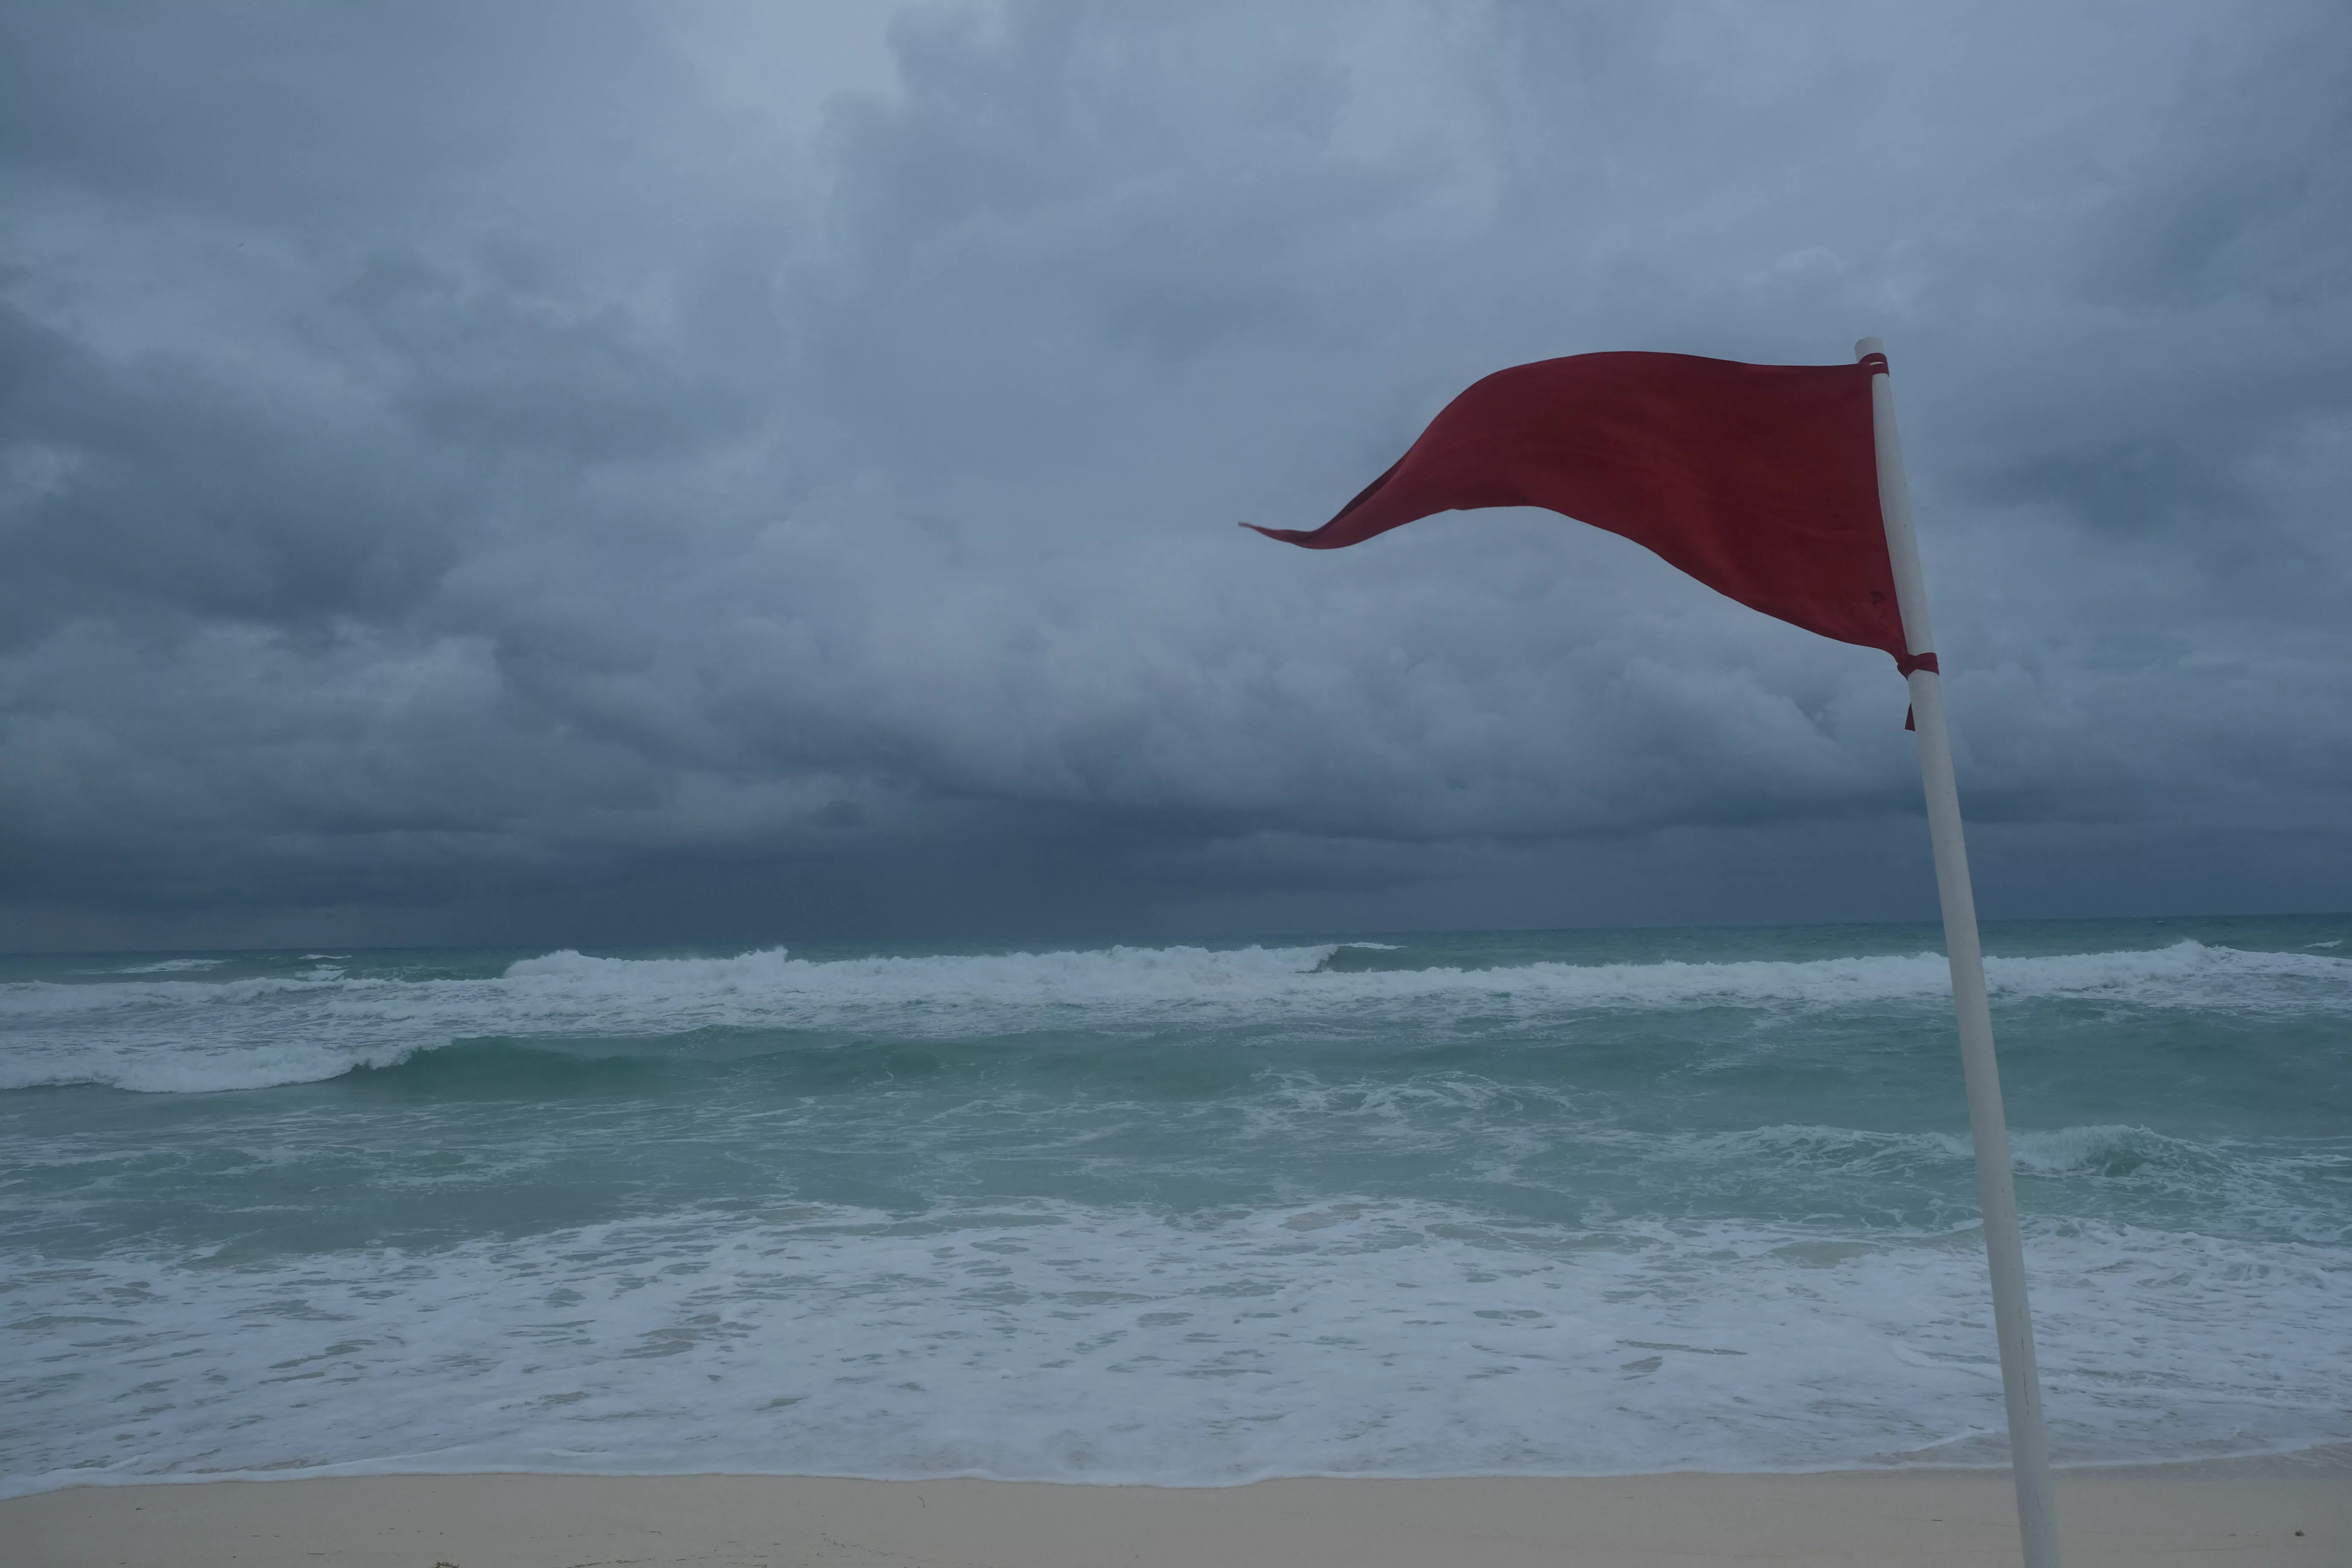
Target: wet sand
[2246, 1514]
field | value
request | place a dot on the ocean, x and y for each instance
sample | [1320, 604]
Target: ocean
[1539, 1203]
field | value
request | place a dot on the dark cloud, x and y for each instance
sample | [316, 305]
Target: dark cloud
[615, 473]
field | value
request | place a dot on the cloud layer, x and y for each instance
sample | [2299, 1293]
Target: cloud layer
[611, 473]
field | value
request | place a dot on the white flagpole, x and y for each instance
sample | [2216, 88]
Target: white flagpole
[2029, 1444]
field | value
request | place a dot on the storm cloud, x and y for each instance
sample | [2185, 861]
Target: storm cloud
[608, 473]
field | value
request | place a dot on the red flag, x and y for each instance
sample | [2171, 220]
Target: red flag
[1760, 480]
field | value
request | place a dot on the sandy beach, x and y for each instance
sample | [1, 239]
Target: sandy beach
[2292, 1510]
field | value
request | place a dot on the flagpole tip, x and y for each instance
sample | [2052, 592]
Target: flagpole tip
[1865, 347]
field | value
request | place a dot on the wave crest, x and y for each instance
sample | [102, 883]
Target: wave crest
[174, 1033]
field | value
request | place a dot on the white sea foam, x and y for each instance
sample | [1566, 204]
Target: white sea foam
[1585, 1259]
[1067, 1342]
[178, 1034]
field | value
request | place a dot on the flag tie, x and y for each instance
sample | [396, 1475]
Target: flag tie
[1906, 663]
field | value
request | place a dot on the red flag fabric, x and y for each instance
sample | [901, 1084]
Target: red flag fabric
[1760, 480]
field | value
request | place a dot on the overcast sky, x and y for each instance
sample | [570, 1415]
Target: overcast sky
[610, 473]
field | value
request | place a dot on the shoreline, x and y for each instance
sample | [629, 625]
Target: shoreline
[2243, 1511]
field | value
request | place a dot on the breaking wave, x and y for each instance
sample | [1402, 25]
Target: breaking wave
[176, 1033]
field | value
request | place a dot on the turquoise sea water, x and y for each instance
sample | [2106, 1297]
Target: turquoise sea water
[1582, 1201]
